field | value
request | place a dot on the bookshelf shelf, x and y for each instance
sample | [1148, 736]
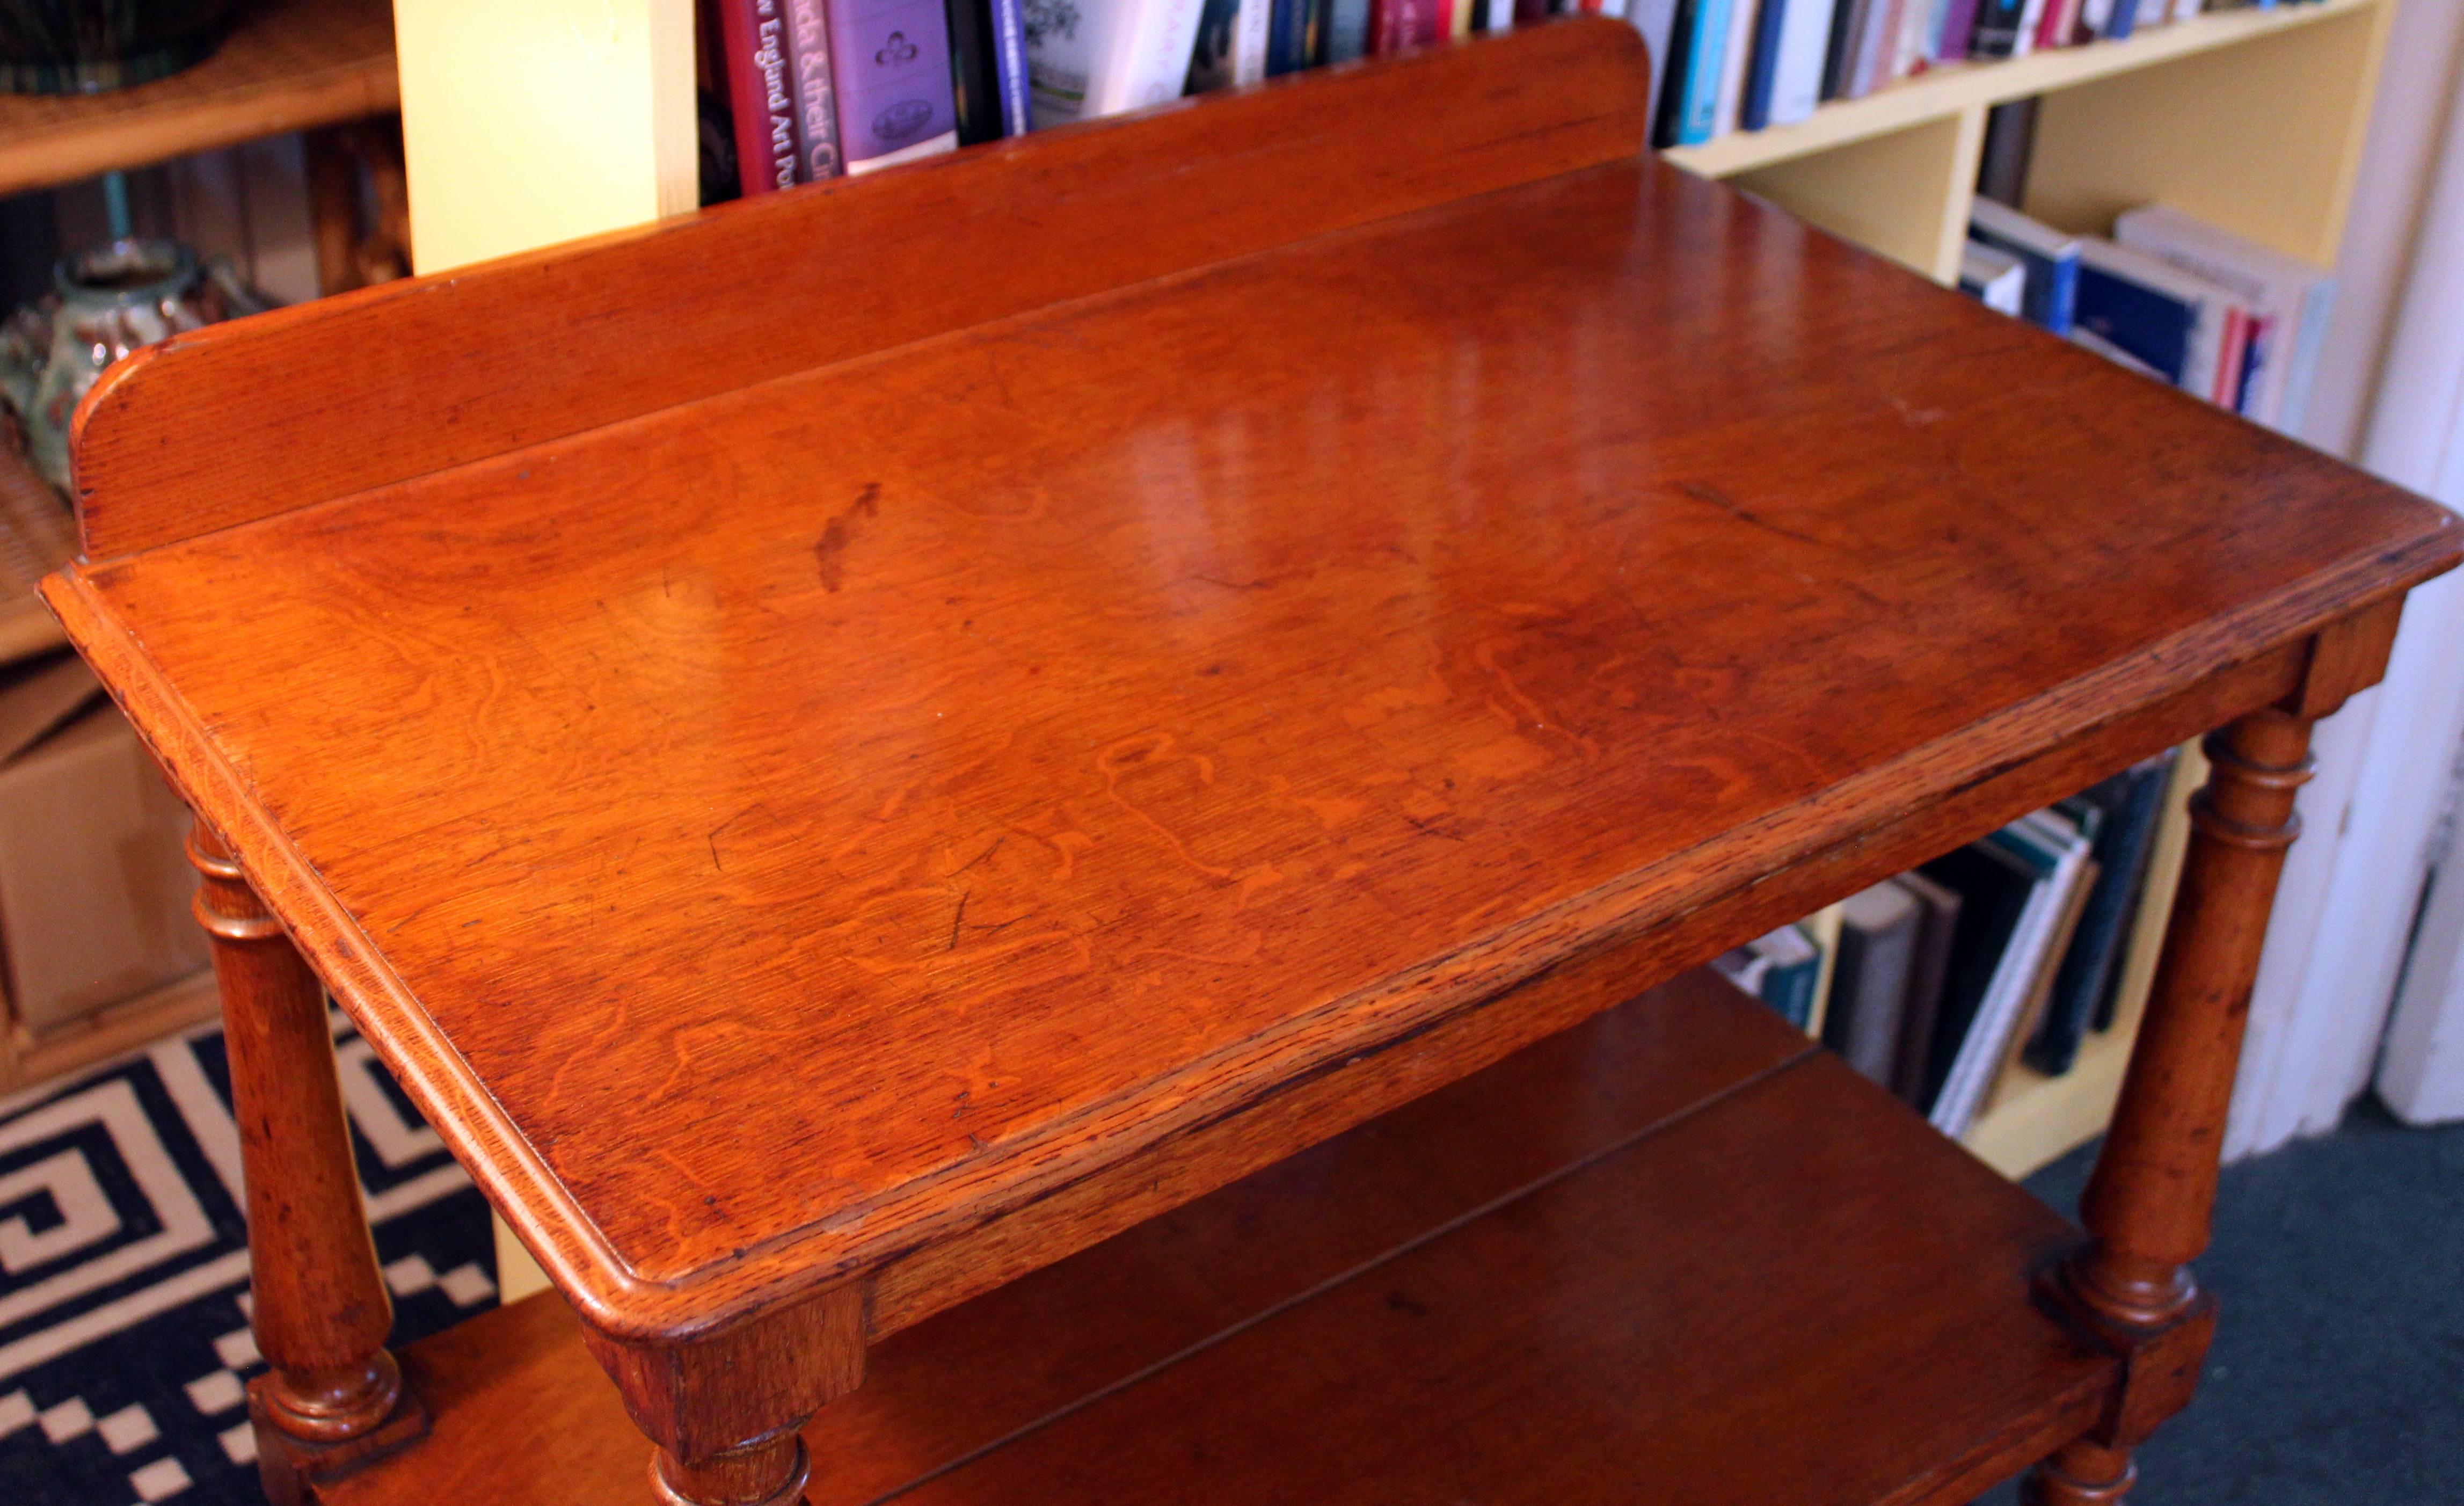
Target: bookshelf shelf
[1945, 92]
[290, 65]
[2251, 120]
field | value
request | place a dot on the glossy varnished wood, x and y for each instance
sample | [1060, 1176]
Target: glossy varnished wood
[783, 833]
[1679, 1122]
[406, 380]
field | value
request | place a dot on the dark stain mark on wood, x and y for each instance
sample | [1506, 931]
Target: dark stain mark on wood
[1735, 509]
[829, 551]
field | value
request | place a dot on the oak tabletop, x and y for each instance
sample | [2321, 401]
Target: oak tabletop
[809, 819]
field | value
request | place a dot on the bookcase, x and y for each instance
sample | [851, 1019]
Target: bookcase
[2253, 120]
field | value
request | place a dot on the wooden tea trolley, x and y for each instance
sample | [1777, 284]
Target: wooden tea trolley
[1023, 816]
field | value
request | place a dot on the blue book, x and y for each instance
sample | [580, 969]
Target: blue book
[2052, 259]
[1706, 51]
[1292, 36]
[1763, 72]
[1009, 66]
[1347, 31]
[2125, 16]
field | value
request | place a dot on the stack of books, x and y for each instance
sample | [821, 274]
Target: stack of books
[1733, 65]
[2179, 300]
[811, 89]
[1938, 982]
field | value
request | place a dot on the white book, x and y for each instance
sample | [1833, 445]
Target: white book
[1250, 28]
[1998, 1017]
[1994, 277]
[1736, 64]
[2031, 18]
[1796, 77]
[1111, 55]
[2212, 305]
[2289, 298]
[2090, 339]
[1657, 21]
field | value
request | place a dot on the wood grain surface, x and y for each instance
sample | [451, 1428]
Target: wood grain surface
[418, 376]
[824, 816]
[1820, 1216]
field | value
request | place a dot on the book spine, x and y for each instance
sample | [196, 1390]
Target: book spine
[1796, 86]
[817, 114]
[1251, 32]
[1397, 24]
[1997, 28]
[1763, 72]
[891, 62]
[1958, 31]
[2123, 20]
[975, 95]
[759, 100]
[1009, 66]
[1736, 69]
[1701, 107]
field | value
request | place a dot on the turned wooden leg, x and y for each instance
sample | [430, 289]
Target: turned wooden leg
[2147, 1206]
[333, 1396]
[722, 1411]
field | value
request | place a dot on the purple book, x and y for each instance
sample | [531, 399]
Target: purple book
[891, 60]
[1958, 25]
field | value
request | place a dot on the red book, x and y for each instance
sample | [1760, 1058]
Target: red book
[2060, 21]
[2229, 363]
[759, 95]
[1397, 24]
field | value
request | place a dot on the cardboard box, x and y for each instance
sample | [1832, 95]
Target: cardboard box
[94, 884]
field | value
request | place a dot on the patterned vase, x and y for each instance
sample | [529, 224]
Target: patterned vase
[108, 303]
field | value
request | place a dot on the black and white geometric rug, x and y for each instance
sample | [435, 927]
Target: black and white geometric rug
[124, 1271]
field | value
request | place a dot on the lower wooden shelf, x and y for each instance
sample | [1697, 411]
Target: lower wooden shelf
[1670, 1254]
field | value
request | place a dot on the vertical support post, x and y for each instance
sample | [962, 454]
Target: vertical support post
[334, 208]
[334, 1396]
[723, 1410]
[2147, 1206]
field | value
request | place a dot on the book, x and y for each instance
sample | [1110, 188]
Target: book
[1780, 968]
[753, 35]
[1397, 24]
[1655, 20]
[1697, 95]
[1997, 28]
[1938, 907]
[1958, 27]
[1847, 24]
[2052, 259]
[1009, 66]
[1869, 987]
[1736, 69]
[975, 86]
[890, 63]
[1099, 57]
[2032, 16]
[809, 85]
[1788, 58]
[1347, 30]
[2090, 339]
[2131, 803]
[1868, 71]
[2026, 875]
[1993, 278]
[2289, 300]
[2171, 319]
[1210, 57]
[2040, 990]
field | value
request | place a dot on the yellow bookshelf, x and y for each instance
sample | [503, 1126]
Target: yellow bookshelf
[2253, 120]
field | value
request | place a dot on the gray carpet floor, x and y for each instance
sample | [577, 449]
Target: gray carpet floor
[2338, 1373]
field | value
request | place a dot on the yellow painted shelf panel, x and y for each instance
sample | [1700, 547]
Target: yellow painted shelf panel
[1941, 92]
[289, 65]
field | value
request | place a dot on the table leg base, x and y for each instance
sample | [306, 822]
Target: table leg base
[291, 1468]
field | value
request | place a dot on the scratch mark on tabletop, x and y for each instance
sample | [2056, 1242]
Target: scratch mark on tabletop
[1726, 504]
[959, 919]
[829, 551]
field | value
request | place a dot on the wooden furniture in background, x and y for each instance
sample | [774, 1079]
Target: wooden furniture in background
[290, 65]
[832, 815]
